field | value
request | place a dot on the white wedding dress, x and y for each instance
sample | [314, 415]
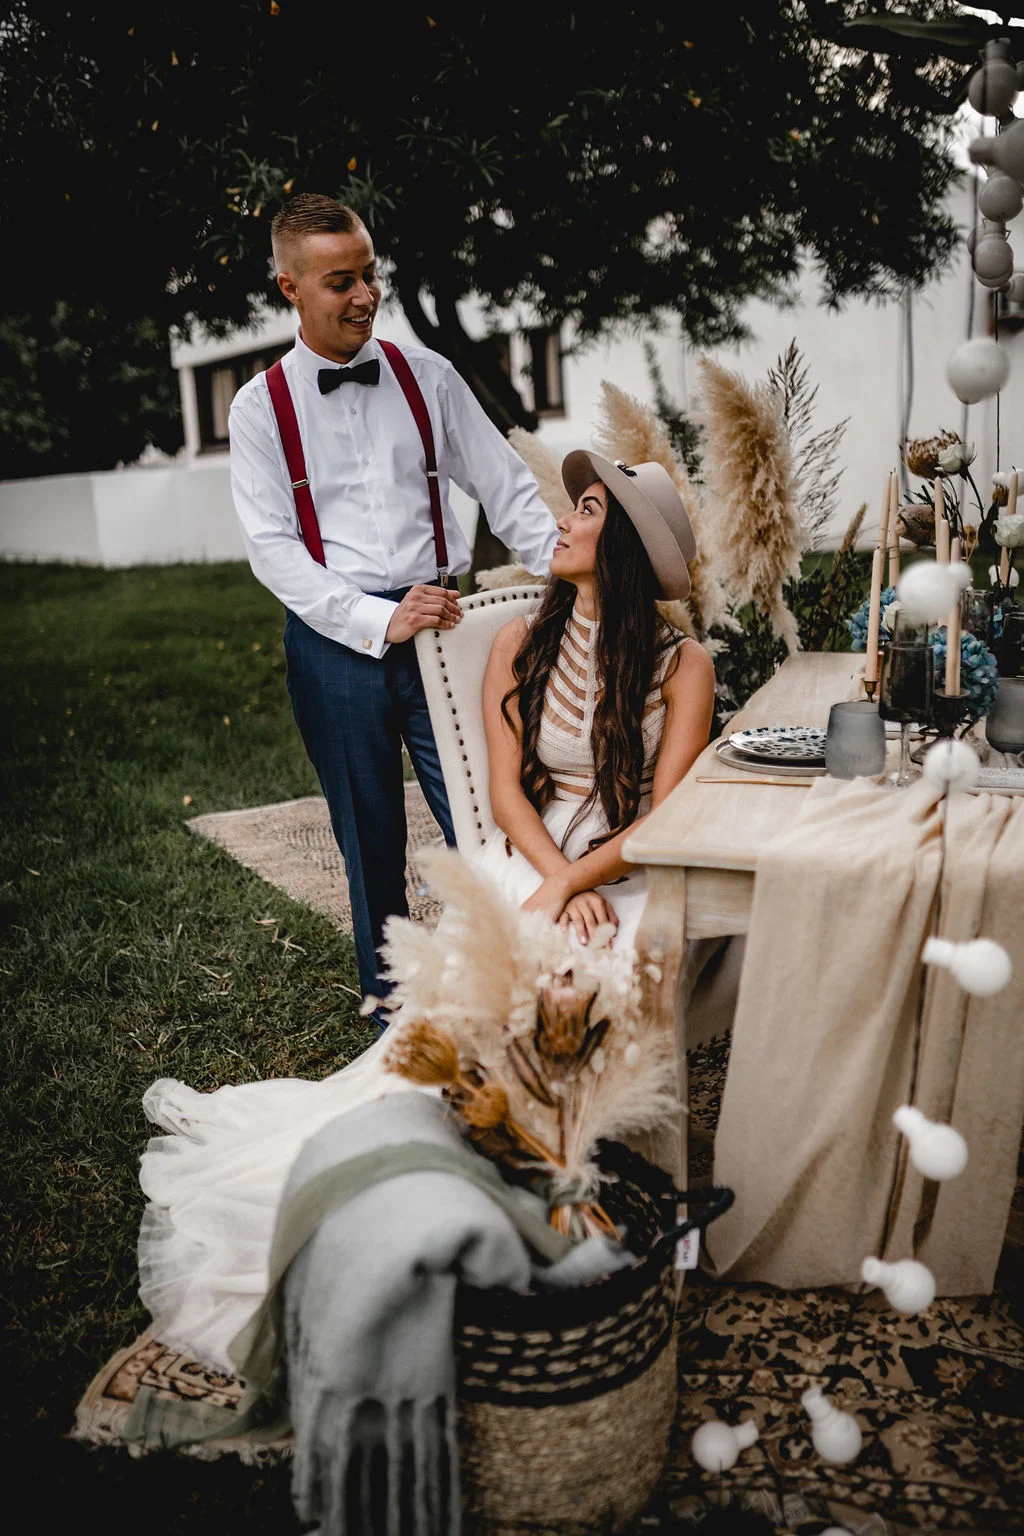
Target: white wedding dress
[214, 1180]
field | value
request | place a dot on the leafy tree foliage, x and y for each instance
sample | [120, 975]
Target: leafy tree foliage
[591, 169]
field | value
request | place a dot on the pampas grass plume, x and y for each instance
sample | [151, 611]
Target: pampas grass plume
[630, 431]
[424, 1054]
[750, 468]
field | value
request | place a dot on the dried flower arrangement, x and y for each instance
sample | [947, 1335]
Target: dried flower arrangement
[540, 1045]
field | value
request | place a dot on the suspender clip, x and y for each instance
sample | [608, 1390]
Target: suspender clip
[442, 575]
[431, 474]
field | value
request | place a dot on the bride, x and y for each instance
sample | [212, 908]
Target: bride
[594, 709]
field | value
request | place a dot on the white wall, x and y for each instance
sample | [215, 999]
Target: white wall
[158, 515]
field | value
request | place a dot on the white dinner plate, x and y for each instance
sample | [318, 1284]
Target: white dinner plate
[733, 759]
[781, 743]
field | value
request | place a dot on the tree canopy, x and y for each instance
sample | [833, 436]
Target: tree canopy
[592, 170]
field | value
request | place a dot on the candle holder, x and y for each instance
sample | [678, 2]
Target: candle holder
[948, 711]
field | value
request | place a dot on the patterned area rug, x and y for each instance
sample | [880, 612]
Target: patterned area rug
[292, 846]
[940, 1398]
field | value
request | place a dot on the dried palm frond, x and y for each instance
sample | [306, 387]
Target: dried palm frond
[749, 464]
[630, 431]
[545, 468]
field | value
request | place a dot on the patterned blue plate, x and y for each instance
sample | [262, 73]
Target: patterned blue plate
[781, 743]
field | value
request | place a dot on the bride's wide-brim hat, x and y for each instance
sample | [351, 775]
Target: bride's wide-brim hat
[650, 500]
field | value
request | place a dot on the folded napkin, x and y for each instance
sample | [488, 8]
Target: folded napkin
[825, 1042]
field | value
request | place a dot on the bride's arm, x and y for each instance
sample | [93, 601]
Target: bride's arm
[689, 695]
[511, 809]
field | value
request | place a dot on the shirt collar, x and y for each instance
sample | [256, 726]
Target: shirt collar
[309, 362]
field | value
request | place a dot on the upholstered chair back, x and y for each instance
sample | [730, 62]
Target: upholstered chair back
[452, 662]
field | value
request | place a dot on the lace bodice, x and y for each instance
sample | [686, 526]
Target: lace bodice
[567, 721]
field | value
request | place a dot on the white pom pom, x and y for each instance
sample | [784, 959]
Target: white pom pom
[836, 1436]
[927, 591]
[951, 764]
[977, 369]
[716, 1446]
[909, 1286]
[937, 1151]
[982, 967]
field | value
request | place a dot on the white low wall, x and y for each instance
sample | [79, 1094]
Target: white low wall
[179, 513]
[158, 515]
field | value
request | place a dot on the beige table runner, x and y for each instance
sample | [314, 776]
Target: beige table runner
[826, 1042]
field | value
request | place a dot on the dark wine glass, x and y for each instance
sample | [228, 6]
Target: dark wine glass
[908, 676]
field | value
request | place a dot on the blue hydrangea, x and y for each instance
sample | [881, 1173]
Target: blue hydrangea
[857, 623]
[979, 675]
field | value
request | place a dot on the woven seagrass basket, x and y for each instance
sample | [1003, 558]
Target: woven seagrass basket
[566, 1398]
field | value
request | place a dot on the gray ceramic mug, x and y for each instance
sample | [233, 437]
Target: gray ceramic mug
[855, 740]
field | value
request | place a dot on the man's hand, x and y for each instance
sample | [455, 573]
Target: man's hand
[586, 911]
[424, 608]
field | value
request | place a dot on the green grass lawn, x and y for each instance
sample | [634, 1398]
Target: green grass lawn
[133, 950]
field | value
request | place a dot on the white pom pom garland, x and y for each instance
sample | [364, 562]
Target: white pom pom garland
[836, 1436]
[982, 967]
[716, 1446]
[951, 764]
[937, 1151]
[926, 591]
[909, 1287]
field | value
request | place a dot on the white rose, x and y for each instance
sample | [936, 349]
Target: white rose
[956, 458]
[1010, 530]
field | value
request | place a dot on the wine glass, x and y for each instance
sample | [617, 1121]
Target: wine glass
[908, 676]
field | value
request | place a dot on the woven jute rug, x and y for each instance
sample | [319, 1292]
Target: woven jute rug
[940, 1397]
[292, 846]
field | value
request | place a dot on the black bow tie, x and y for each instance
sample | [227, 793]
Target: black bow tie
[362, 373]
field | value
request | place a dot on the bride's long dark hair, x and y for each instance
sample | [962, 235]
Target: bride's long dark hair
[631, 638]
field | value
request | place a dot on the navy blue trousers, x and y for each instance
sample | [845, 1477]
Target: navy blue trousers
[354, 713]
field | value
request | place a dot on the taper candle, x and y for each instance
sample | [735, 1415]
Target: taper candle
[874, 617]
[893, 530]
[953, 632]
[941, 525]
[884, 514]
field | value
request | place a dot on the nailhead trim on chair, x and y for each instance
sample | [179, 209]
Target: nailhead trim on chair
[500, 596]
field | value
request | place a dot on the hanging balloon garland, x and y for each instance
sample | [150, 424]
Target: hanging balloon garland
[931, 593]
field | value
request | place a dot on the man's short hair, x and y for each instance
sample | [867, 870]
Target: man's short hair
[309, 214]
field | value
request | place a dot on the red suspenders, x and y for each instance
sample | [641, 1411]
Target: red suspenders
[291, 441]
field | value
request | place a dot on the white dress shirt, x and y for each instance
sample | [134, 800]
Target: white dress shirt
[367, 476]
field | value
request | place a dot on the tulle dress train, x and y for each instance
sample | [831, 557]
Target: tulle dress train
[214, 1179]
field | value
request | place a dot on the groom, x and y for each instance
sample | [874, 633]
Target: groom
[341, 459]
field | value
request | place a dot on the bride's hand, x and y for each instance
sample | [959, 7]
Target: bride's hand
[550, 898]
[586, 912]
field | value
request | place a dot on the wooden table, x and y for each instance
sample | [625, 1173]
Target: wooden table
[700, 847]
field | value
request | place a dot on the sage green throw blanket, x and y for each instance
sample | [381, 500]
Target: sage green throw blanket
[385, 1211]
